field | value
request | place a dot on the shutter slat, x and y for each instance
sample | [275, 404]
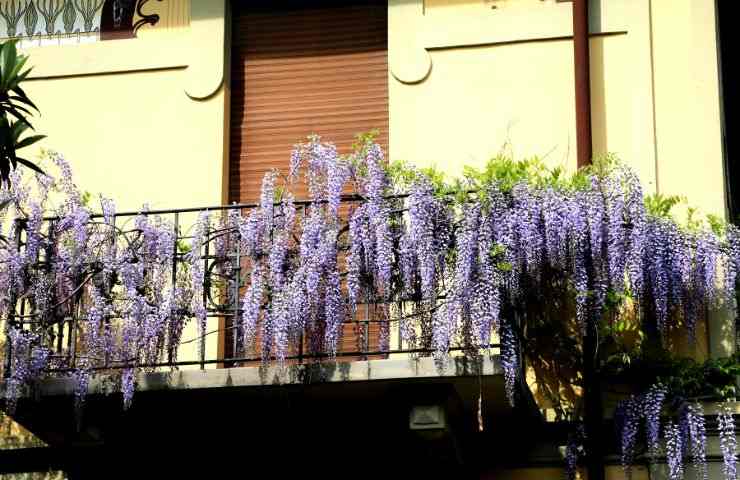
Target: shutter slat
[298, 72]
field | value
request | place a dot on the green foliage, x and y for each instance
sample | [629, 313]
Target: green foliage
[506, 172]
[403, 174]
[717, 225]
[659, 205]
[86, 198]
[713, 379]
[15, 108]
[182, 246]
[363, 141]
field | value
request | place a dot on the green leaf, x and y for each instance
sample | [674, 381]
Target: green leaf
[13, 110]
[29, 141]
[10, 55]
[22, 93]
[13, 74]
[30, 165]
[504, 266]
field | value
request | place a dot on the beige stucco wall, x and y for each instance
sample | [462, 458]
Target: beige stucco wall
[465, 79]
[687, 104]
[490, 77]
[135, 137]
[142, 120]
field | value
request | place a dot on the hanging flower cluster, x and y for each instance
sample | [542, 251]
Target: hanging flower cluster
[464, 267]
[81, 281]
[684, 433]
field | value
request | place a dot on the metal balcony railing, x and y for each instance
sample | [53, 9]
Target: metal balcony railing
[61, 325]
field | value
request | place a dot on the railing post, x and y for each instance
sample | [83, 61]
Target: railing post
[366, 327]
[237, 284]
[48, 260]
[176, 239]
[206, 288]
[300, 335]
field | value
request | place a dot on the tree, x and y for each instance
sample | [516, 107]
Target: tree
[15, 108]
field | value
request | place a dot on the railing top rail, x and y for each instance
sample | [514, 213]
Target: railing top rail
[232, 206]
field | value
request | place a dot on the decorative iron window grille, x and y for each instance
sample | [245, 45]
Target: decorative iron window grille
[54, 22]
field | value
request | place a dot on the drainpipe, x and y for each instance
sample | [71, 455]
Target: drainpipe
[582, 82]
[593, 408]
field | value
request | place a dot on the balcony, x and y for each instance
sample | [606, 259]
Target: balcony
[121, 373]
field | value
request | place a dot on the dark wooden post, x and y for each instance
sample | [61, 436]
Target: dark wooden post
[593, 409]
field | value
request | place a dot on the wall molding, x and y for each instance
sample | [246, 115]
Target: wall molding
[137, 54]
[207, 47]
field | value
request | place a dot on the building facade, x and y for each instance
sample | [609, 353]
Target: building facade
[185, 103]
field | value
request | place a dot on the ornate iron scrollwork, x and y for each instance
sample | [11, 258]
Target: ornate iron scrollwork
[117, 18]
[113, 19]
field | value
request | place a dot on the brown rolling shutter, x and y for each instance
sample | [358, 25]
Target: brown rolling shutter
[300, 71]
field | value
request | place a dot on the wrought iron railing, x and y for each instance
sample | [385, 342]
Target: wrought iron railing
[59, 321]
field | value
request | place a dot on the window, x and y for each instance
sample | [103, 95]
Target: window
[55, 22]
[727, 11]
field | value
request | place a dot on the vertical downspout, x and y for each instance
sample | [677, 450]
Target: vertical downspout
[593, 410]
[582, 82]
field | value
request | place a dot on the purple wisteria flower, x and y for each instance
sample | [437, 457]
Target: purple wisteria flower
[197, 269]
[423, 219]
[580, 241]
[574, 449]
[627, 417]
[128, 386]
[616, 231]
[509, 359]
[81, 378]
[698, 439]
[635, 249]
[281, 242]
[674, 450]
[20, 369]
[251, 308]
[727, 442]
[652, 406]
[356, 265]
[486, 295]
[334, 311]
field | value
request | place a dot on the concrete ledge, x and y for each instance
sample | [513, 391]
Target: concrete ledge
[304, 374]
[167, 50]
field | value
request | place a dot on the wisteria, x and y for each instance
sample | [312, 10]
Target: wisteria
[727, 442]
[574, 449]
[653, 404]
[509, 359]
[674, 450]
[627, 417]
[698, 437]
[464, 268]
[684, 433]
